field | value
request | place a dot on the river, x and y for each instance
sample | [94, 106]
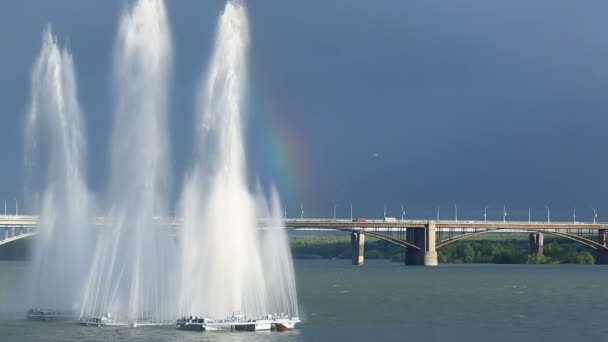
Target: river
[384, 301]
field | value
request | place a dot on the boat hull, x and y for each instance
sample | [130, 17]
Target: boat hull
[226, 326]
[253, 326]
[191, 326]
[109, 323]
[285, 325]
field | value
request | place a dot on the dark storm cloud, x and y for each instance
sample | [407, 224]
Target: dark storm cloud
[474, 102]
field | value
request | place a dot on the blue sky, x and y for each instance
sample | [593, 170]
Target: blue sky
[428, 103]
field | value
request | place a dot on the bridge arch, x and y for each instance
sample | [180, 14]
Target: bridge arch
[16, 238]
[377, 235]
[580, 239]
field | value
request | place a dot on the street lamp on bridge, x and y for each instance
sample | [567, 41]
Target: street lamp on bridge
[548, 214]
[594, 215]
[335, 205]
[485, 214]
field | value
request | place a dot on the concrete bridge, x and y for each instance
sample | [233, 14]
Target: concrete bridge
[420, 238]
[13, 228]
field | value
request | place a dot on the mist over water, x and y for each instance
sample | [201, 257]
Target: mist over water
[131, 274]
[228, 265]
[55, 142]
[277, 258]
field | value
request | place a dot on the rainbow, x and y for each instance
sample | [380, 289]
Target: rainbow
[280, 148]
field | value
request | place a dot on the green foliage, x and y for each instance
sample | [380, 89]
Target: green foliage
[373, 254]
[539, 259]
[585, 258]
[484, 251]
[398, 257]
[498, 249]
[325, 247]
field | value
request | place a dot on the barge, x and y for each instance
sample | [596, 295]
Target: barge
[107, 321]
[238, 323]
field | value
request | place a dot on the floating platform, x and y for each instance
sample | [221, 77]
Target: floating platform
[48, 315]
[108, 321]
[238, 323]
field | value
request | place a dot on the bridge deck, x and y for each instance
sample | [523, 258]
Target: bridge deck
[32, 221]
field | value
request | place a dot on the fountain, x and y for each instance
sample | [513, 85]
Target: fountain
[126, 270]
[229, 266]
[55, 143]
[130, 279]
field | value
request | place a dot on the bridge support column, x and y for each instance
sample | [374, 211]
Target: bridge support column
[12, 231]
[413, 256]
[536, 243]
[425, 239]
[430, 254]
[357, 244]
[601, 254]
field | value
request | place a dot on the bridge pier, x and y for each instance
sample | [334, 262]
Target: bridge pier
[601, 254]
[426, 240]
[357, 244]
[536, 243]
[413, 256]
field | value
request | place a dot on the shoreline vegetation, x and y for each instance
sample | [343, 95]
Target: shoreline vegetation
[491, 248]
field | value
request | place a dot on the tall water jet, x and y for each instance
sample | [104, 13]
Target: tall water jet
[223, 264]
[55, 142]
[131, 274]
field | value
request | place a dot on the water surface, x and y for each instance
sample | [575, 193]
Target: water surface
[384, 301]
